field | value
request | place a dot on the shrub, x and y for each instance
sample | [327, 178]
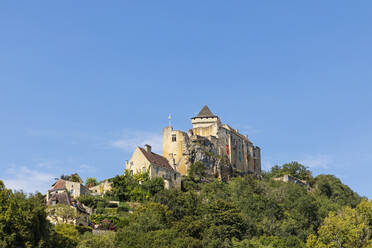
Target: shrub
[112, 205]
[83, 229]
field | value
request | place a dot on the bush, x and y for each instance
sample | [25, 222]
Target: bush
[83, 229]
[106, 240]
[101, 204]
[112, 205]
[122, 209]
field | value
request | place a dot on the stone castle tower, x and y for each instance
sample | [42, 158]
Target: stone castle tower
[220, 147]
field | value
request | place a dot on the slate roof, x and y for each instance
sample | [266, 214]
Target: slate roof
[60, 198]
[156, 159]
[64, 198]
[205, 112]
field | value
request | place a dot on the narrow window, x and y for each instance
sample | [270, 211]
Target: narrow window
[157, 170]
[174, 138]
[144, 170]
[175, 176]
[131, 172]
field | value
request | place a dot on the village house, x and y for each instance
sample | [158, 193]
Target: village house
[101, 188]
[64, 193]
[144, 160]
[291, 179]
[75, 189]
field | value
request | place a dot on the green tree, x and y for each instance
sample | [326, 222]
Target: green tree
[65, 236]
[225, 222]
[73, 177]
[332, 188]
[180, 203]
[22, 219]
[90, 182]
[62, 213]
[150, 217]
[346, 228]
[196, 175]
[106, 240]
[76, 178]
[93, 201]
[294, 169]
[154, 185]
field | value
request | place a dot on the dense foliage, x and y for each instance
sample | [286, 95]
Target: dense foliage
[22, 219]
[90, 182]
[243, 212]
[73, 177]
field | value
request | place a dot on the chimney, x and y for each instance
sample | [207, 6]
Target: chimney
[148, 148]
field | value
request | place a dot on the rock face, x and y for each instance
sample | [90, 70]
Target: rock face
[203, 150]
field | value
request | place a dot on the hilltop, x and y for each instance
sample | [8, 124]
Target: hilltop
[246, 211]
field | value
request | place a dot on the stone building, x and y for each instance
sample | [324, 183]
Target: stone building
[64, 192]
[144, 160]
[56, 199]
[219, 146]
[290, 179]
[101, 188]
[75, 189]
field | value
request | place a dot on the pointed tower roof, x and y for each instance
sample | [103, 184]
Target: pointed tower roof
[205, 112]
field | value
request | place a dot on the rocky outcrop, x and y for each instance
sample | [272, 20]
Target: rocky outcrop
[201, 149]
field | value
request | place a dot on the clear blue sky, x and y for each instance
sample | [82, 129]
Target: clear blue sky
[83, 82]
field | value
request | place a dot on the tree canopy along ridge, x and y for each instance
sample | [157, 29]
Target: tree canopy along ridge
[248, 211]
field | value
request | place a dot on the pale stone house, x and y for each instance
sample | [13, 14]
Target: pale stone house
[75, 189]
[225, 141]
[64, 193]
[144, 160]
[291, 179]
[101, 188]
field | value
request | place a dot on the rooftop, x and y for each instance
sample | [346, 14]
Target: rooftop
[205, 112]
[156, 159]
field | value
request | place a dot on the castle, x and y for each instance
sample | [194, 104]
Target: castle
[222, 149]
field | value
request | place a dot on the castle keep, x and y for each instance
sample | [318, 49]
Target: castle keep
[222, 149]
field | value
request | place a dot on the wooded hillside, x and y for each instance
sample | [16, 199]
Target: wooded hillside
[247, 211]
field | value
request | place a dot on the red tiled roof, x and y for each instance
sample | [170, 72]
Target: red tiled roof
[156, 159]
[60, 184]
